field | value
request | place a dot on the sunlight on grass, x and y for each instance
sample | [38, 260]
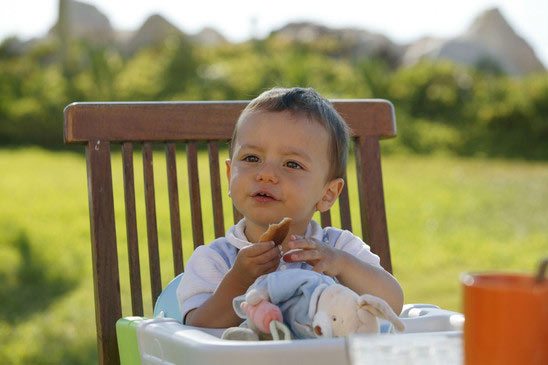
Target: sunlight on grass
[445, 216]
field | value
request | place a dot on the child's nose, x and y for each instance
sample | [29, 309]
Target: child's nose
[267, 174]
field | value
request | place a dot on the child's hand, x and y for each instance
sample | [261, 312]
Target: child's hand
[256, 260]
[323, 258]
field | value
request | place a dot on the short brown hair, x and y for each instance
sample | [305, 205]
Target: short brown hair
[315, 107]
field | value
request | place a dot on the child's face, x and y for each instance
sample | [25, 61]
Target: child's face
[279, 168]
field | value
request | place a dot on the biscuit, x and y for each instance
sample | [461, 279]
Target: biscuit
[276, 232]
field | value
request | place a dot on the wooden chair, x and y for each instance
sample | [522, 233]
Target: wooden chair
[101, 126]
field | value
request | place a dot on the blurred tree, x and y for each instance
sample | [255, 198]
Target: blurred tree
[96, 77]
[180, 66]
[440, 106]
[376, 75]
[433, 90]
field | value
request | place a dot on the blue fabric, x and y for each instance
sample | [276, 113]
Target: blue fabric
[227, 251]
[167, 301]
[293, 291]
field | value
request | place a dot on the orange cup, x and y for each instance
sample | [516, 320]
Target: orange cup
[506, 319]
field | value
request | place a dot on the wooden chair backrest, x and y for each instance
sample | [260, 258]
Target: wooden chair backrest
[99, 126]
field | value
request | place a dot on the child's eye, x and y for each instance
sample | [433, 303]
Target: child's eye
[293, 165]
[250, 158]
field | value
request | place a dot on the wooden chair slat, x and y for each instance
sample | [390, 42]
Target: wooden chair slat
[131, 230]
[371, 196]
[215, 180]
[194, 190]
[104, 252]
[152, 227]
[174, 212]
[344, 207]
[176, 121]
[325, 218]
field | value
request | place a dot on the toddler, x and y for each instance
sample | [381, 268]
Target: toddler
[287, 159]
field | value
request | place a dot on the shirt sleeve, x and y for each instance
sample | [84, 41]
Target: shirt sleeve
[352, 244]
[203, 273]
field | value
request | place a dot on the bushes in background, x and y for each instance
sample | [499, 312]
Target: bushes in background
[440, 107]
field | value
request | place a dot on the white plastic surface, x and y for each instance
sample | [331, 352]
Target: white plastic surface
[428, 348]
[167, 341]
[430, 318]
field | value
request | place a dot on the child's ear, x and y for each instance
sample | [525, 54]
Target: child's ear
[332, 191]
[228, 166]
[228, 162]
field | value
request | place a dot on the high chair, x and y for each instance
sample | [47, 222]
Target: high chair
[107, 127]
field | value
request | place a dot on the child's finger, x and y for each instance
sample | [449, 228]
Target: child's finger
[269, 267]
[268, 256]
[302, 255]
[302, 244]
[259, 248]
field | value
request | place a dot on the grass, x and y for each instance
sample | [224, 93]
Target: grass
[445, 216]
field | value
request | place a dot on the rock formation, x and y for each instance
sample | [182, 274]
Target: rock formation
[84, 21]
[354, 43]
[489, 39]
[154, 30]
[208, 37]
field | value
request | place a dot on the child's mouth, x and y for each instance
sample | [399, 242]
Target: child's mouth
[263, 197]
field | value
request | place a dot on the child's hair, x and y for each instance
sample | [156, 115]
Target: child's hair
[308, 102]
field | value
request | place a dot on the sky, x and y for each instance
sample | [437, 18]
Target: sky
[402, 21]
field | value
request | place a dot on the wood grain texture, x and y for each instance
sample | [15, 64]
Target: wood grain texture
[106, 281]
[131, 230]
[344, 207]
[174, 212]
[152, 225]
[215, 183]
[184, 121]
[194, 192]
[371, 195]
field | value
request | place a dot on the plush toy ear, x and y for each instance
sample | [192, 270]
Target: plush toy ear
[257, 294]
[379, 308]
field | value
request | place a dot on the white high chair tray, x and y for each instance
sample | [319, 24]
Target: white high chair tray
[429, 330]
[164, 340]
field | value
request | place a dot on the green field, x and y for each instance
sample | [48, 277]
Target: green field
[445, 216]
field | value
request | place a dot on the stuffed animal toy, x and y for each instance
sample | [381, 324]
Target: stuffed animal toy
[265, 322]
[304, 304]
[310, 304]
[341, 312]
